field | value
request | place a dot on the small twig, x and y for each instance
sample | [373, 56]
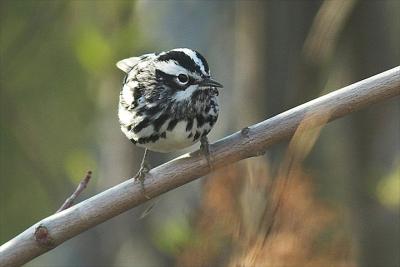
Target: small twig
[82, 185]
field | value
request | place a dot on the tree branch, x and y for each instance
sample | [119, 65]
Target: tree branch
[82, 185]
[251, 141]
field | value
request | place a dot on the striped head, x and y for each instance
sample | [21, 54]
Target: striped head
[180, 72]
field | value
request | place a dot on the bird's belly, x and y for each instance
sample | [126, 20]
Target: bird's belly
[165, 135]
[175, 139]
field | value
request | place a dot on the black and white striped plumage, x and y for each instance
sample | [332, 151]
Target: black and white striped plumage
[168, 100]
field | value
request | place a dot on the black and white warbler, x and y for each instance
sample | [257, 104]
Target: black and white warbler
[168, 101]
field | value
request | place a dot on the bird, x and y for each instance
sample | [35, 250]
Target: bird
[168, 102]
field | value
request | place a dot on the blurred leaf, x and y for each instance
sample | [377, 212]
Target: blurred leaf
[77, 163]
[92, 49]
[388, 189]
[173, 235]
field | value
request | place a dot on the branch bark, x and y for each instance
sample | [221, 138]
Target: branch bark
[249, 142]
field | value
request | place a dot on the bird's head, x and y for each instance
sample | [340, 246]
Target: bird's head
[182, 70]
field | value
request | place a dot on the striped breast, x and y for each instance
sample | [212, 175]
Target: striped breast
[168, 127]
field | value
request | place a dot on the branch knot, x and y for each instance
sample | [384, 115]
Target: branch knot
[43, 238]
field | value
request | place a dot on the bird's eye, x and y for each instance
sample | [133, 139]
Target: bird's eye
[183, 78]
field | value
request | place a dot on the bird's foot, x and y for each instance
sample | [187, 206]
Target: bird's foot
[141, 176]
[205, 147]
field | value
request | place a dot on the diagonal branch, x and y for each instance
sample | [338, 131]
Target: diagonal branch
[251, 141]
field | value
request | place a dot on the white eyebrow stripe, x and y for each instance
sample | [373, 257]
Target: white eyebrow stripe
[170, 67]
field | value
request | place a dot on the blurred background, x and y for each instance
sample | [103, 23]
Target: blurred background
[337, 206]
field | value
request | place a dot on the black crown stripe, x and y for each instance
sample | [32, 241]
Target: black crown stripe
[203, 60]
[183, 59]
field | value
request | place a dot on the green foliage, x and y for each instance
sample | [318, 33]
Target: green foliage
[92, 49]
[388, 189]
[54, 56]
[76, 162]
[173, 235]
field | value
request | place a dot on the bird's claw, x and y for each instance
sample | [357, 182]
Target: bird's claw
[141, 176]
[205, 147]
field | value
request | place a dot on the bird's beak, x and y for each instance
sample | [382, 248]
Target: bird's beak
[210, 82]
